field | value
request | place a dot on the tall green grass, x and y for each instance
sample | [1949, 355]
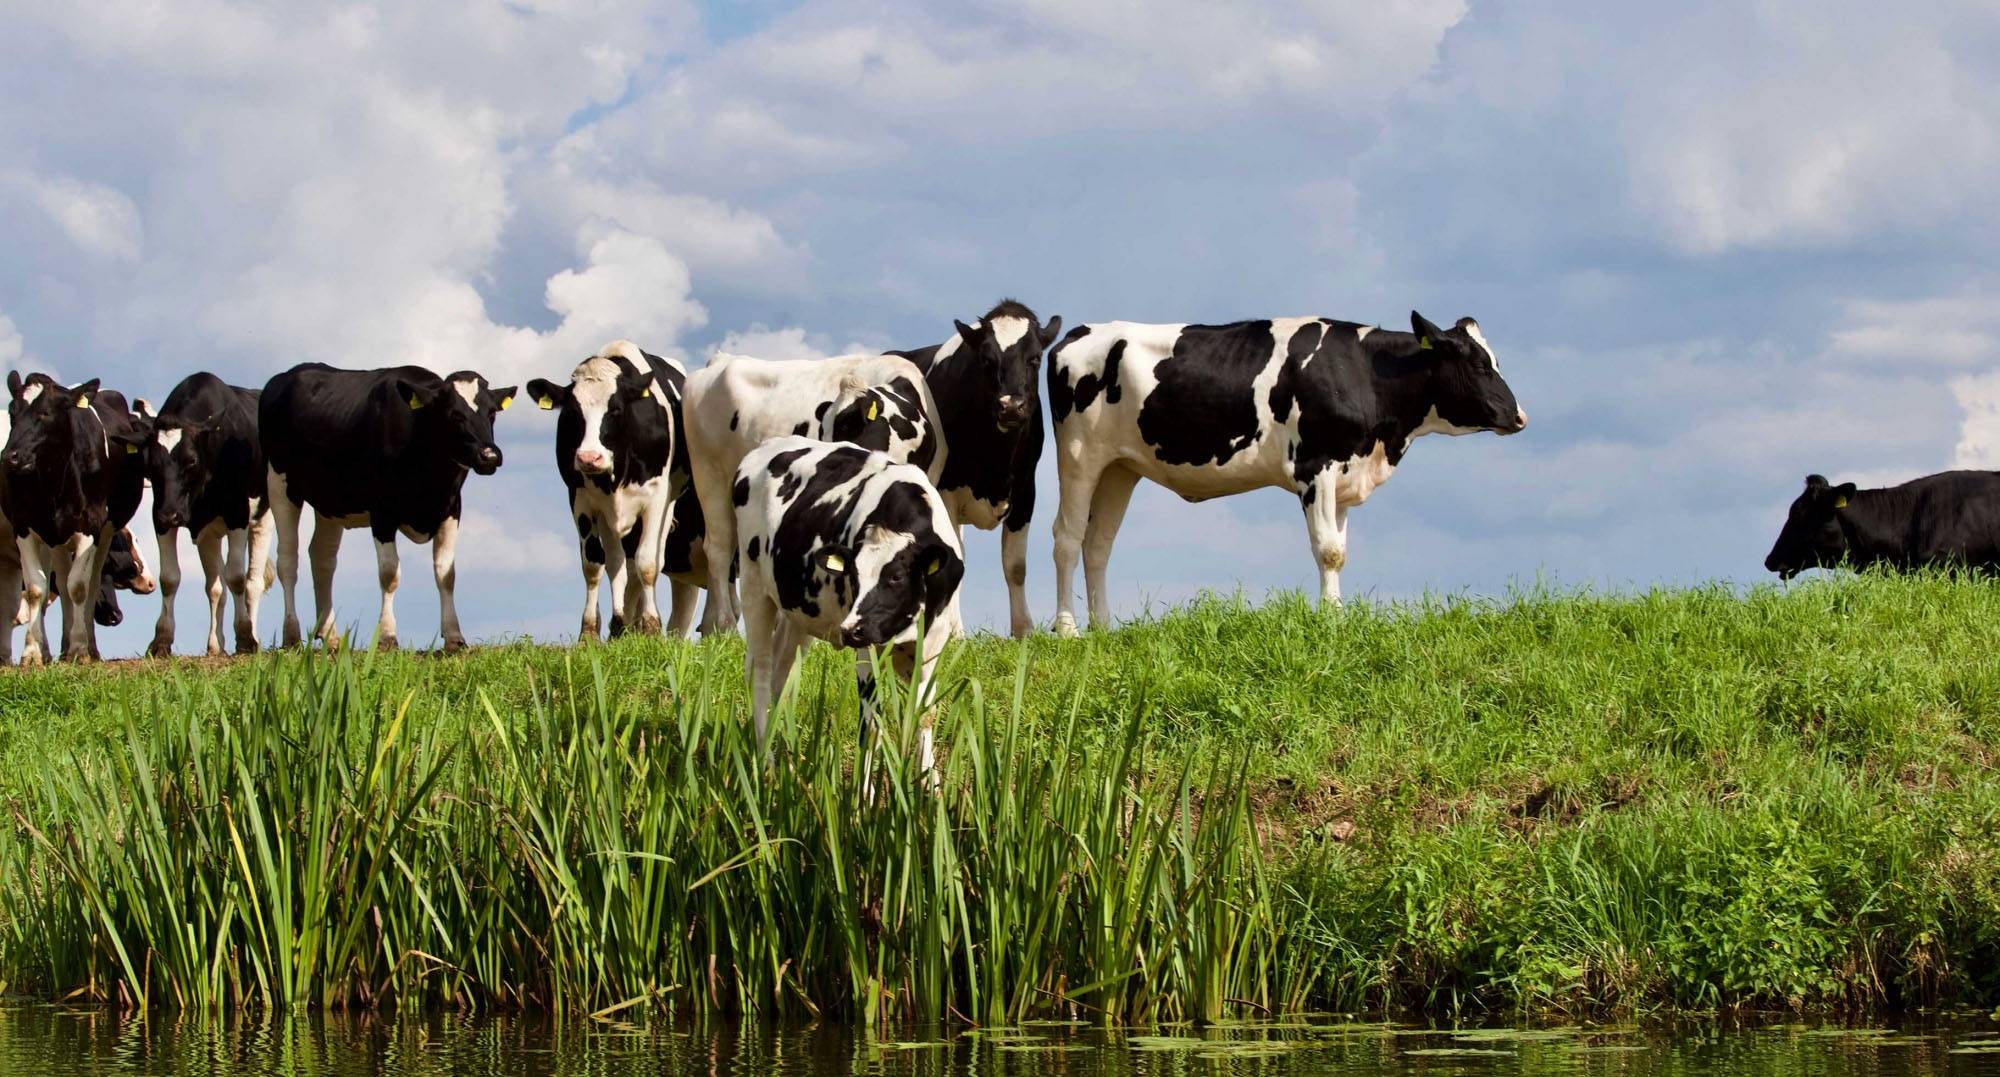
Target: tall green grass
[322, 843]
[1563, 801]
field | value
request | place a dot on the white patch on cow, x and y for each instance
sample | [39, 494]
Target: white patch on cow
[878, 547]
[1437, 424]
[31, 392]
[169, 438]
[469, 389]
[1008, 330]
[624, 349]
[592, 384]
[1361, 332]
[1479, 338]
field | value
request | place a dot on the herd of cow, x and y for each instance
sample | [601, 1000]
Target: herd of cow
[833, 491]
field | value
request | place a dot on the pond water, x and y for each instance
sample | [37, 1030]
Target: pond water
[55, 1040]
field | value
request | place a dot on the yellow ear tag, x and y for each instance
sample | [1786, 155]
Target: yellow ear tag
[874, 409]
[1423, 343]
[131, 450]
[835, 563]
[545, 402]
[1840, 503]
[415, 403]
[82, 402]
[506, 402]
[646, 392]
[936, 563]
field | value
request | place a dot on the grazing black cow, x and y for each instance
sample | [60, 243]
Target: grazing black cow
[207, 471]
[73, 478]
[1951, 518]
[383, 449]
[1325, 409]
[847, 545]
[988, 399]
[621, 453]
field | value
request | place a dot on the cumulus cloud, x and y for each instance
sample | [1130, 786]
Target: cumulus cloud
[788, 342]
[100, 220]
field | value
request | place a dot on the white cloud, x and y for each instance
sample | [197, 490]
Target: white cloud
[11, 346]
[512, 547]
[789, 342]
[99, 219]
[1956, 330]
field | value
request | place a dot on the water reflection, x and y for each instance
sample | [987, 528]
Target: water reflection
[58, 1040]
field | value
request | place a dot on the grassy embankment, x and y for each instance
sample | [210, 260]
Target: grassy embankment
[1686, 798]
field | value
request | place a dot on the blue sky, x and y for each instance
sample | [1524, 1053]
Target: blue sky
[1716, 245]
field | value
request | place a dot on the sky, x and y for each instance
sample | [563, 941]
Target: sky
[1715, 245]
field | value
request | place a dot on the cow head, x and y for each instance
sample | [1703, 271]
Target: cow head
[460, 411]
[50, 423]
[1007, 345]
[124, 570]
[1812, 536]
[857, 415]
[1467, 393]
[899, 568]
[179, 456]
[602, 404]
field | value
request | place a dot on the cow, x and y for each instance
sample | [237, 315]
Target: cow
[125, 569]
[73, 479]
[621, 453]
[1323, 408]
[848, 545]
[383, 449]
[736, 403]
[984, 380]
[206, 468]
[1948, 519]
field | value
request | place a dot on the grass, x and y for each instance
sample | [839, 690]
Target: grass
[1695, 799]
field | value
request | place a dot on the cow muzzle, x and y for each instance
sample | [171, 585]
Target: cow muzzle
[1520, 423]
[487, 461]
[854, 635]
[593, 461]
[1013, 412]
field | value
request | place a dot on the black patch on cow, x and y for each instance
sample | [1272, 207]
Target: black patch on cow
[806, 522]
[630, 540]
[751, 550]
[740, 493]
[583, 527]
[985, 460]
[690, 528]
[780, 462]
[802, 430]
[734, 418]
[1203, 409]
[1088, 386]
[593, 548]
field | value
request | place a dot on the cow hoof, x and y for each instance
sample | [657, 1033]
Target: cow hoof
[1065, 626]
[649, 625]
[160, 648]
[453, 646]
[247, 644]
[617, 628]
[31, 660]
[385, 643]
[588, 633]
[291, 637]
[214, 649]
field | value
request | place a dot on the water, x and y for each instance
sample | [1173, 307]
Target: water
[54, 1040]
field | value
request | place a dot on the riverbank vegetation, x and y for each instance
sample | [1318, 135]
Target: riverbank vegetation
[1561, 802]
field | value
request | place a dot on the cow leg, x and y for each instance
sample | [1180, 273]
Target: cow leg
[680, 622]
[718, 509]
[388, 574]
[1107, 512]
[590, 551]
[208, 546]
[170, 585]
[86, 568]
[444, 568]
[325, 553]
[1014, 566]
[256, 577]
[645, 566]
[614, 568]
[10, 585]
[1326, 525]
[761, 619]
[35, 559]
[1072, 519]
[285, 520]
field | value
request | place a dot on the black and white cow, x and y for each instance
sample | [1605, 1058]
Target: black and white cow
[620, 452]
[1947, 519]
[984, 381]
[73, 478]
[1325, 409]
[125, 569]
[736, 403]
[383, 449]
[848, 545]
[206, 467]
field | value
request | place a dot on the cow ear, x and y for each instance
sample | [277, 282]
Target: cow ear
[1815, 482]
[545, 394]
[143, 408]
[941, 569]
[1051, 331]
[15, 386]
[84, 392]
[1427, 333]
[504, 395]
[1842, 494]
[965, 332]
[417, 396]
